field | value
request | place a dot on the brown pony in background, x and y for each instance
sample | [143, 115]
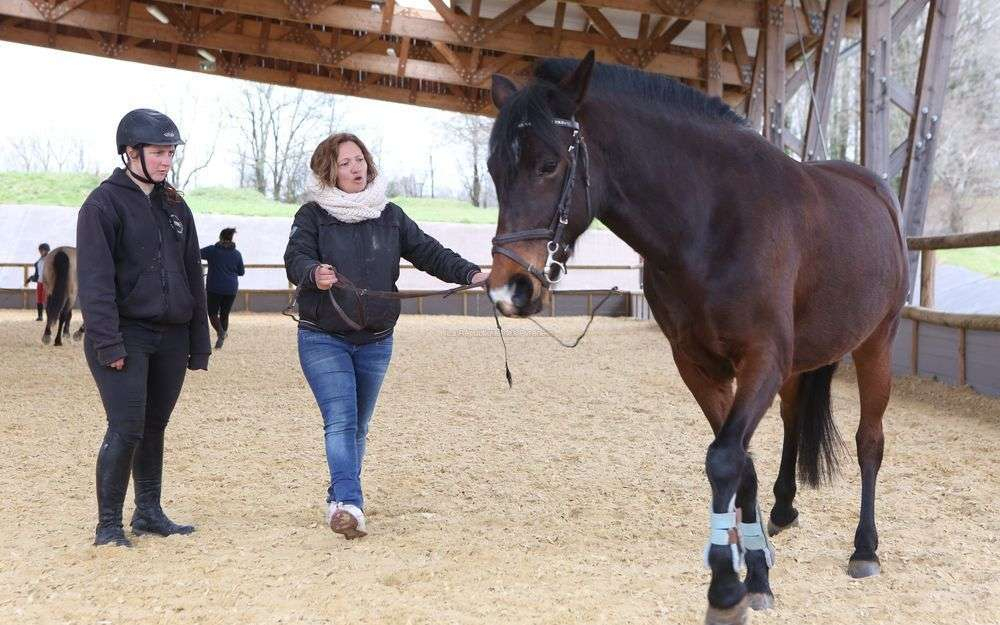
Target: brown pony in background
[759, 270]
[59, 277]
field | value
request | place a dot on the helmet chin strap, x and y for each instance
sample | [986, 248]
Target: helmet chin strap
[142, 160]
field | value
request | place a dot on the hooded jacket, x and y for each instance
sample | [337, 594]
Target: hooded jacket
[139, 263]
[367, 253]
[225, 265]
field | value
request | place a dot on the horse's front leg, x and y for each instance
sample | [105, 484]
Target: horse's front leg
[758, 378]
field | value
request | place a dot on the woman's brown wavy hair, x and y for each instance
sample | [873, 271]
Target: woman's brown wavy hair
[324, 159]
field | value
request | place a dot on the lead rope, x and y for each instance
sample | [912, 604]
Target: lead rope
[593, 313]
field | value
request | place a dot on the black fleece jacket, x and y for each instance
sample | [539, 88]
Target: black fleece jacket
[368, 254]
[139, 263]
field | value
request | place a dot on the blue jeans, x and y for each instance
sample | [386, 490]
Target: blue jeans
[345, 379]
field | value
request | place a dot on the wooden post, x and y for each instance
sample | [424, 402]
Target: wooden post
[875, 47]
[928, 260]
[932, 84]
[774, 72]
[713, 59]
[826, 68]
[755, 99]
[961, 356]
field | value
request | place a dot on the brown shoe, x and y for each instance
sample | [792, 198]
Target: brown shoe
[349, 521]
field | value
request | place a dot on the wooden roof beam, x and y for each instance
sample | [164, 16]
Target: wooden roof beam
[535, 41]
[257, 41]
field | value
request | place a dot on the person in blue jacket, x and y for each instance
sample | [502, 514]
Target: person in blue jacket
[225, 265]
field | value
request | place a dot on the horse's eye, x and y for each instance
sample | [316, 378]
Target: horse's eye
[547, 168]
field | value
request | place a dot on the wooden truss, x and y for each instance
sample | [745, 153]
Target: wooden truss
[909, 163]
[444, 58]
[441, 58]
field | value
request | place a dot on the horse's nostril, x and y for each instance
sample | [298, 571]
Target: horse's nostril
[522, 292]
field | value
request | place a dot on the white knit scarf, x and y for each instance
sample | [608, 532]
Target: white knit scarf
[349, 207]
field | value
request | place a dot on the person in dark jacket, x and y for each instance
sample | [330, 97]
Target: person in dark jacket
[143, 301]
[225, 265]
[351, 231]
[43, 251]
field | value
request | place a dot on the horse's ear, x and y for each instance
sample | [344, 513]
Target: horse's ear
[576, 83]
[501, 90]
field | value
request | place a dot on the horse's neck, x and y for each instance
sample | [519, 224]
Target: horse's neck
[655, 195]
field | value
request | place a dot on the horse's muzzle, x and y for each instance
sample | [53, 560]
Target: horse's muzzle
[521, 296]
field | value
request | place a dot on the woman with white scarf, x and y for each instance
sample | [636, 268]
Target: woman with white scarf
[350, 230]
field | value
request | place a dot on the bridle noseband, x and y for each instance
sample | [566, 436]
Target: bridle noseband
[554, 233]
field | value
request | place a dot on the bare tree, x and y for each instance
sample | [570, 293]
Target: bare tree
[181, 176]
[23, 153]
[471, 135]
[279, 128]
[254, 123]
[48, 155]
[407, 186]
[968, 155]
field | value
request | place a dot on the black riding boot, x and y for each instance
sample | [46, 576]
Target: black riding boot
[41, 307]
[114, 463]
[147, 475]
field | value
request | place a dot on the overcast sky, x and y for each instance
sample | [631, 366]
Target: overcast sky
[78, 99]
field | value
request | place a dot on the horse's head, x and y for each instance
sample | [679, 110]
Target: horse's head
[540, 166]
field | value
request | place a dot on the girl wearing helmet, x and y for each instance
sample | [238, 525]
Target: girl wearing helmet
[143, 300]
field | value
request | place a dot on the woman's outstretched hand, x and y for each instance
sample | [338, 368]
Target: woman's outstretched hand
[480, 277]
[325, 277]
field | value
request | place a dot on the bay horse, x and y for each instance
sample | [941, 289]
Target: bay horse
[59, 277]
[759, 269]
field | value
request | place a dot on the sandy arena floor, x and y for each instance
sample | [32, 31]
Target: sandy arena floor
[578, 497]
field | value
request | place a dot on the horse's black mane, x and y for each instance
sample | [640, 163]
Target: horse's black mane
[530, 105]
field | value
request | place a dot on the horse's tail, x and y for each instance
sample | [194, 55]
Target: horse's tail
[60, 286]
[819, 440]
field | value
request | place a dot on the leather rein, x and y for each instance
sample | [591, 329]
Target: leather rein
[345, 284]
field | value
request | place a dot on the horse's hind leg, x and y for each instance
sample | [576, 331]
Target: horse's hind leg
[79, 333]
[47, 333]
[73, 337]
[60, 329]
[784, 514]
[873, 360]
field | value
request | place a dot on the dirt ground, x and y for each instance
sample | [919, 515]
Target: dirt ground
[577, 497]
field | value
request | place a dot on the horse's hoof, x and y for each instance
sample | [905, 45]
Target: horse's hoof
[760, 600]
[859, 569]
[736, 615]
[46, 339]
[773, 529]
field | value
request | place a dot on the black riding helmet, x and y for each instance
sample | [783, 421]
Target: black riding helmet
[145, 127]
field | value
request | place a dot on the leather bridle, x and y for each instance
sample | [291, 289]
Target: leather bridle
[553, 271]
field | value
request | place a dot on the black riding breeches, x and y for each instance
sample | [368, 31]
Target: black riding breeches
[141, 396]
[218, 309]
